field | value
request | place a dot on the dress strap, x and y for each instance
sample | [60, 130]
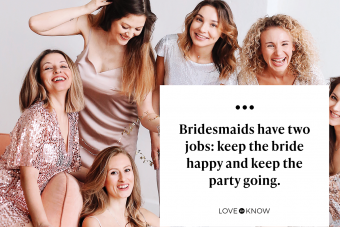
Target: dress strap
[147, 225]
[96, 219]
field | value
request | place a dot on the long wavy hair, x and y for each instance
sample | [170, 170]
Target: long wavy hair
[95, 197]
[223, 52]
[33, 89]
[304, 58]
[332, 137]
[139, 60]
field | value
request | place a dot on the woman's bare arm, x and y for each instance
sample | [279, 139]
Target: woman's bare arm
[70, 21]
[29, 176]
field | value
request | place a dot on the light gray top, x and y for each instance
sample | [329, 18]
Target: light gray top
[181, 71]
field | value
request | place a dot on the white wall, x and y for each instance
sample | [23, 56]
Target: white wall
[19, 46]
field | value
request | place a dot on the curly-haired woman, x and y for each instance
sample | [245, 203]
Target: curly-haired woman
[277, 50]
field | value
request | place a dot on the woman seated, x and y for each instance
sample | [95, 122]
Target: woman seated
[334, 152]
[45, 140]
[277, 50]
[111, 193]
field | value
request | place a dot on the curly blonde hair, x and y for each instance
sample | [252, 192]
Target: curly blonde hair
[304, 58]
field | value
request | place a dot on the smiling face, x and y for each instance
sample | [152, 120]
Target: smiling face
[127, 27]
[119, 179]
[204, 29]
[334, 107]
[277, 49]
[55, 73]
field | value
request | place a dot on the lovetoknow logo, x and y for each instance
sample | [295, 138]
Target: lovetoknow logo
[243, 210]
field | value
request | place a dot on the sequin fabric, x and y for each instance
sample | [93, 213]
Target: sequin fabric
[181, 71]
[334, 199]
[36, 141]
[315, 78]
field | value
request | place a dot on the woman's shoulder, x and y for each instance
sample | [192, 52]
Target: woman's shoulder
[150, 217]
[91, 221]
[34, 112]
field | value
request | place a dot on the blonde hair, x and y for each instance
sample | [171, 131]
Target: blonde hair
[304, 58]
[95, 197]
[33, 90]
[139, 60]
[223, 52]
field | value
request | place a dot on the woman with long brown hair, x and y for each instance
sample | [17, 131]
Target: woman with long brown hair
[334, 151]
[45, 140]
[117, 70]
[204, 54]
[111, 193]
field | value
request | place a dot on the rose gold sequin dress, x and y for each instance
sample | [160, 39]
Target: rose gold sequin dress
[36, 141]
[109, 117]
[334, 199]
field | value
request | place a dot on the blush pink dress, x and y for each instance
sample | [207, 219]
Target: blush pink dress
[36, 141]
[109, 117]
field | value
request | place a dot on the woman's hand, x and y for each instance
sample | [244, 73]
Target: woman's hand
[45, 225]
[155, 148]
[96, 4]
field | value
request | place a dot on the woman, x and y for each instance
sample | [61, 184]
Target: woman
[204, 54]
[277, 50]
[334, 151]
[45, 140]
[117, 69]
[111, 193]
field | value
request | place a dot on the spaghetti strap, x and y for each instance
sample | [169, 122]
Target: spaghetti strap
[147, 225]
[96, 219]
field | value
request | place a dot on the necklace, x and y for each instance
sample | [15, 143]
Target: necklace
[115, 218]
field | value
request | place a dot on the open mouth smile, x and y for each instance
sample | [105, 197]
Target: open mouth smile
[333, 115]
[124, 37]
[58, 78]
[279, 61]
[200, 37]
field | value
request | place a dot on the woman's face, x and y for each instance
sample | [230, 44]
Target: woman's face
[205, 29]
[127, 27]
[334, 107]
[55, 73]
[277, 49]
[119, 179]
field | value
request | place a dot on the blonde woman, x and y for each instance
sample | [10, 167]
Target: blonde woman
[277, 50]
[45, 140]
[112, 195]
[117, 70]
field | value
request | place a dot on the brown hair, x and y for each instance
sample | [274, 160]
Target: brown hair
[332, 137]
[139, 60]
[225, 47]
[33, 89]
[303, 59]
[95, 197]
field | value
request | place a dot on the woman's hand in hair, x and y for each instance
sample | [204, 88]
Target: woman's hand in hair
[96, 4]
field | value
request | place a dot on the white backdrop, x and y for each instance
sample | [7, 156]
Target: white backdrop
[19, 46]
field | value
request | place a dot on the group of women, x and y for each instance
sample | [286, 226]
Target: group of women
[114, 85]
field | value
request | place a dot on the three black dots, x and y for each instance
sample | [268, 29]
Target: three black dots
[245, 107]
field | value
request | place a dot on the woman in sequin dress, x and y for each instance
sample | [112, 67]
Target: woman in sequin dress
[277, 50]
[117, 69]
[45, 140]
[334, 151]
[119, 201]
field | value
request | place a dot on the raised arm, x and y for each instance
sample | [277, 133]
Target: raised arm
[29, 176]
[70, 21]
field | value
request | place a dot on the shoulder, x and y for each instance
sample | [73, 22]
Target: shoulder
[313, 77]
[168, 40]
[150, 217]
[36, 112]
[91, 221]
